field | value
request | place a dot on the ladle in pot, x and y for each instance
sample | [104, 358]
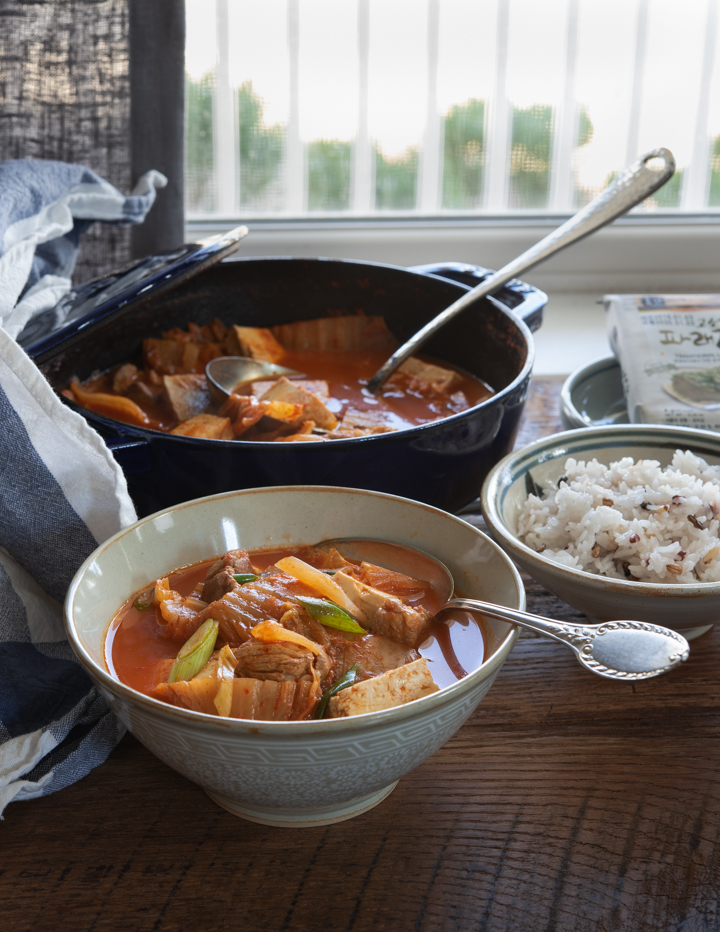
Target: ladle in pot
[616, 650]
[631, 187]
[228, 374]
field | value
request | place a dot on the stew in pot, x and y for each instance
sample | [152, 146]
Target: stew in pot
[166, 389]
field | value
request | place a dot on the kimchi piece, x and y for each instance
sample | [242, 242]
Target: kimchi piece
[165, 388]
[288, 636]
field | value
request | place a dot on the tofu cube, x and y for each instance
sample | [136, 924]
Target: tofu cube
[318, 387]
[313, 408]
[188, 395]
[441, 380]
[394, 688]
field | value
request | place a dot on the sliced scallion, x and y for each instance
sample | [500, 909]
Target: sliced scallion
[195, 652]
[145, 599]
[330, 614]
[244, 577]
[347, 679]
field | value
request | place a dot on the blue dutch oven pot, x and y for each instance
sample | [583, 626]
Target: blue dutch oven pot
[442, 463]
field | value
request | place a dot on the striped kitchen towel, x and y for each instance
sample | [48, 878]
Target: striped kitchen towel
[45, 207]
[61, 494]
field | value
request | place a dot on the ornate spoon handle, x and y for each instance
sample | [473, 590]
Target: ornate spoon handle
[626, 650]
[630, 188]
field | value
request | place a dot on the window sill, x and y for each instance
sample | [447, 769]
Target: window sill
[661, 253]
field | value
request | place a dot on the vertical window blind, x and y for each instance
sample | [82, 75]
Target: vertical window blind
[371, 108]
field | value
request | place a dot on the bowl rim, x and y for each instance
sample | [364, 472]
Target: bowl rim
[487, 669]
[563, 444]
[576, 378]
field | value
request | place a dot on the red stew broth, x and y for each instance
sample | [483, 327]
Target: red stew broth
[136, 647]
[347, 373]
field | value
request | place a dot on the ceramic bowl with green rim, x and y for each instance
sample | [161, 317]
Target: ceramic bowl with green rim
[295, 773]
[689, 608]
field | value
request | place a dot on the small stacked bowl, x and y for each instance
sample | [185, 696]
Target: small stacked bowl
[690, 609]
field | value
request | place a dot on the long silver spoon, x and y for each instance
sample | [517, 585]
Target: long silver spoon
[631, 187]
[617, 650]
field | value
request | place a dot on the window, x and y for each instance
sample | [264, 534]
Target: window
[349, 109]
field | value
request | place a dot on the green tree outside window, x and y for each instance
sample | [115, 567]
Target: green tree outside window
[199, 187]
[261, 149]
[530, 156]
[714, 199]
[464, 155]
[396, 180]
[329, 164]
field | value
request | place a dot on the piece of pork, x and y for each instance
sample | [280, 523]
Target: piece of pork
[219, 578]
[373, 653]
[330, 559]
[385, 614]
[280, 661]
[271, 596]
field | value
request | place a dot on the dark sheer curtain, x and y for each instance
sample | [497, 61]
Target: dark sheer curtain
[99, 82]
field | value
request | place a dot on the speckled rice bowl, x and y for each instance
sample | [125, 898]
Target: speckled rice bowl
[600, 536]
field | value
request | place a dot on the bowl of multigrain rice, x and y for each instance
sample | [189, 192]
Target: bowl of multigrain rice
[621, 522]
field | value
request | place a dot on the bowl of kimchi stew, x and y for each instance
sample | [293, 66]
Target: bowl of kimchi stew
[295, 684]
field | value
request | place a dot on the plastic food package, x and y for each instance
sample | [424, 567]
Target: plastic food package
[668, 347]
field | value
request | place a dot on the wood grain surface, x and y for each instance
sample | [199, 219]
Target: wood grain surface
[566, 803]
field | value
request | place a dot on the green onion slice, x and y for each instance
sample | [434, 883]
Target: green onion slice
[145, 599]
[330, 614]
[195, 652]
[347, 679]
[244, 577]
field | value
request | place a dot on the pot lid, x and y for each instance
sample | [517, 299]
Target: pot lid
[90, 302]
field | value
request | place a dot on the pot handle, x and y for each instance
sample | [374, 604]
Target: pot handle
[132, 454]
[522, 299]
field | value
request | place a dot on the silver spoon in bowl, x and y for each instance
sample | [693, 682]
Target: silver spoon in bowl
[616, 650]
[631, 187]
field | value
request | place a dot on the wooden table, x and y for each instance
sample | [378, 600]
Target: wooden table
[566, 803]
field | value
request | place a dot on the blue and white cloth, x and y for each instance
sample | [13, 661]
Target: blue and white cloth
[61, 491]
[45, 207]
[61, 494]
